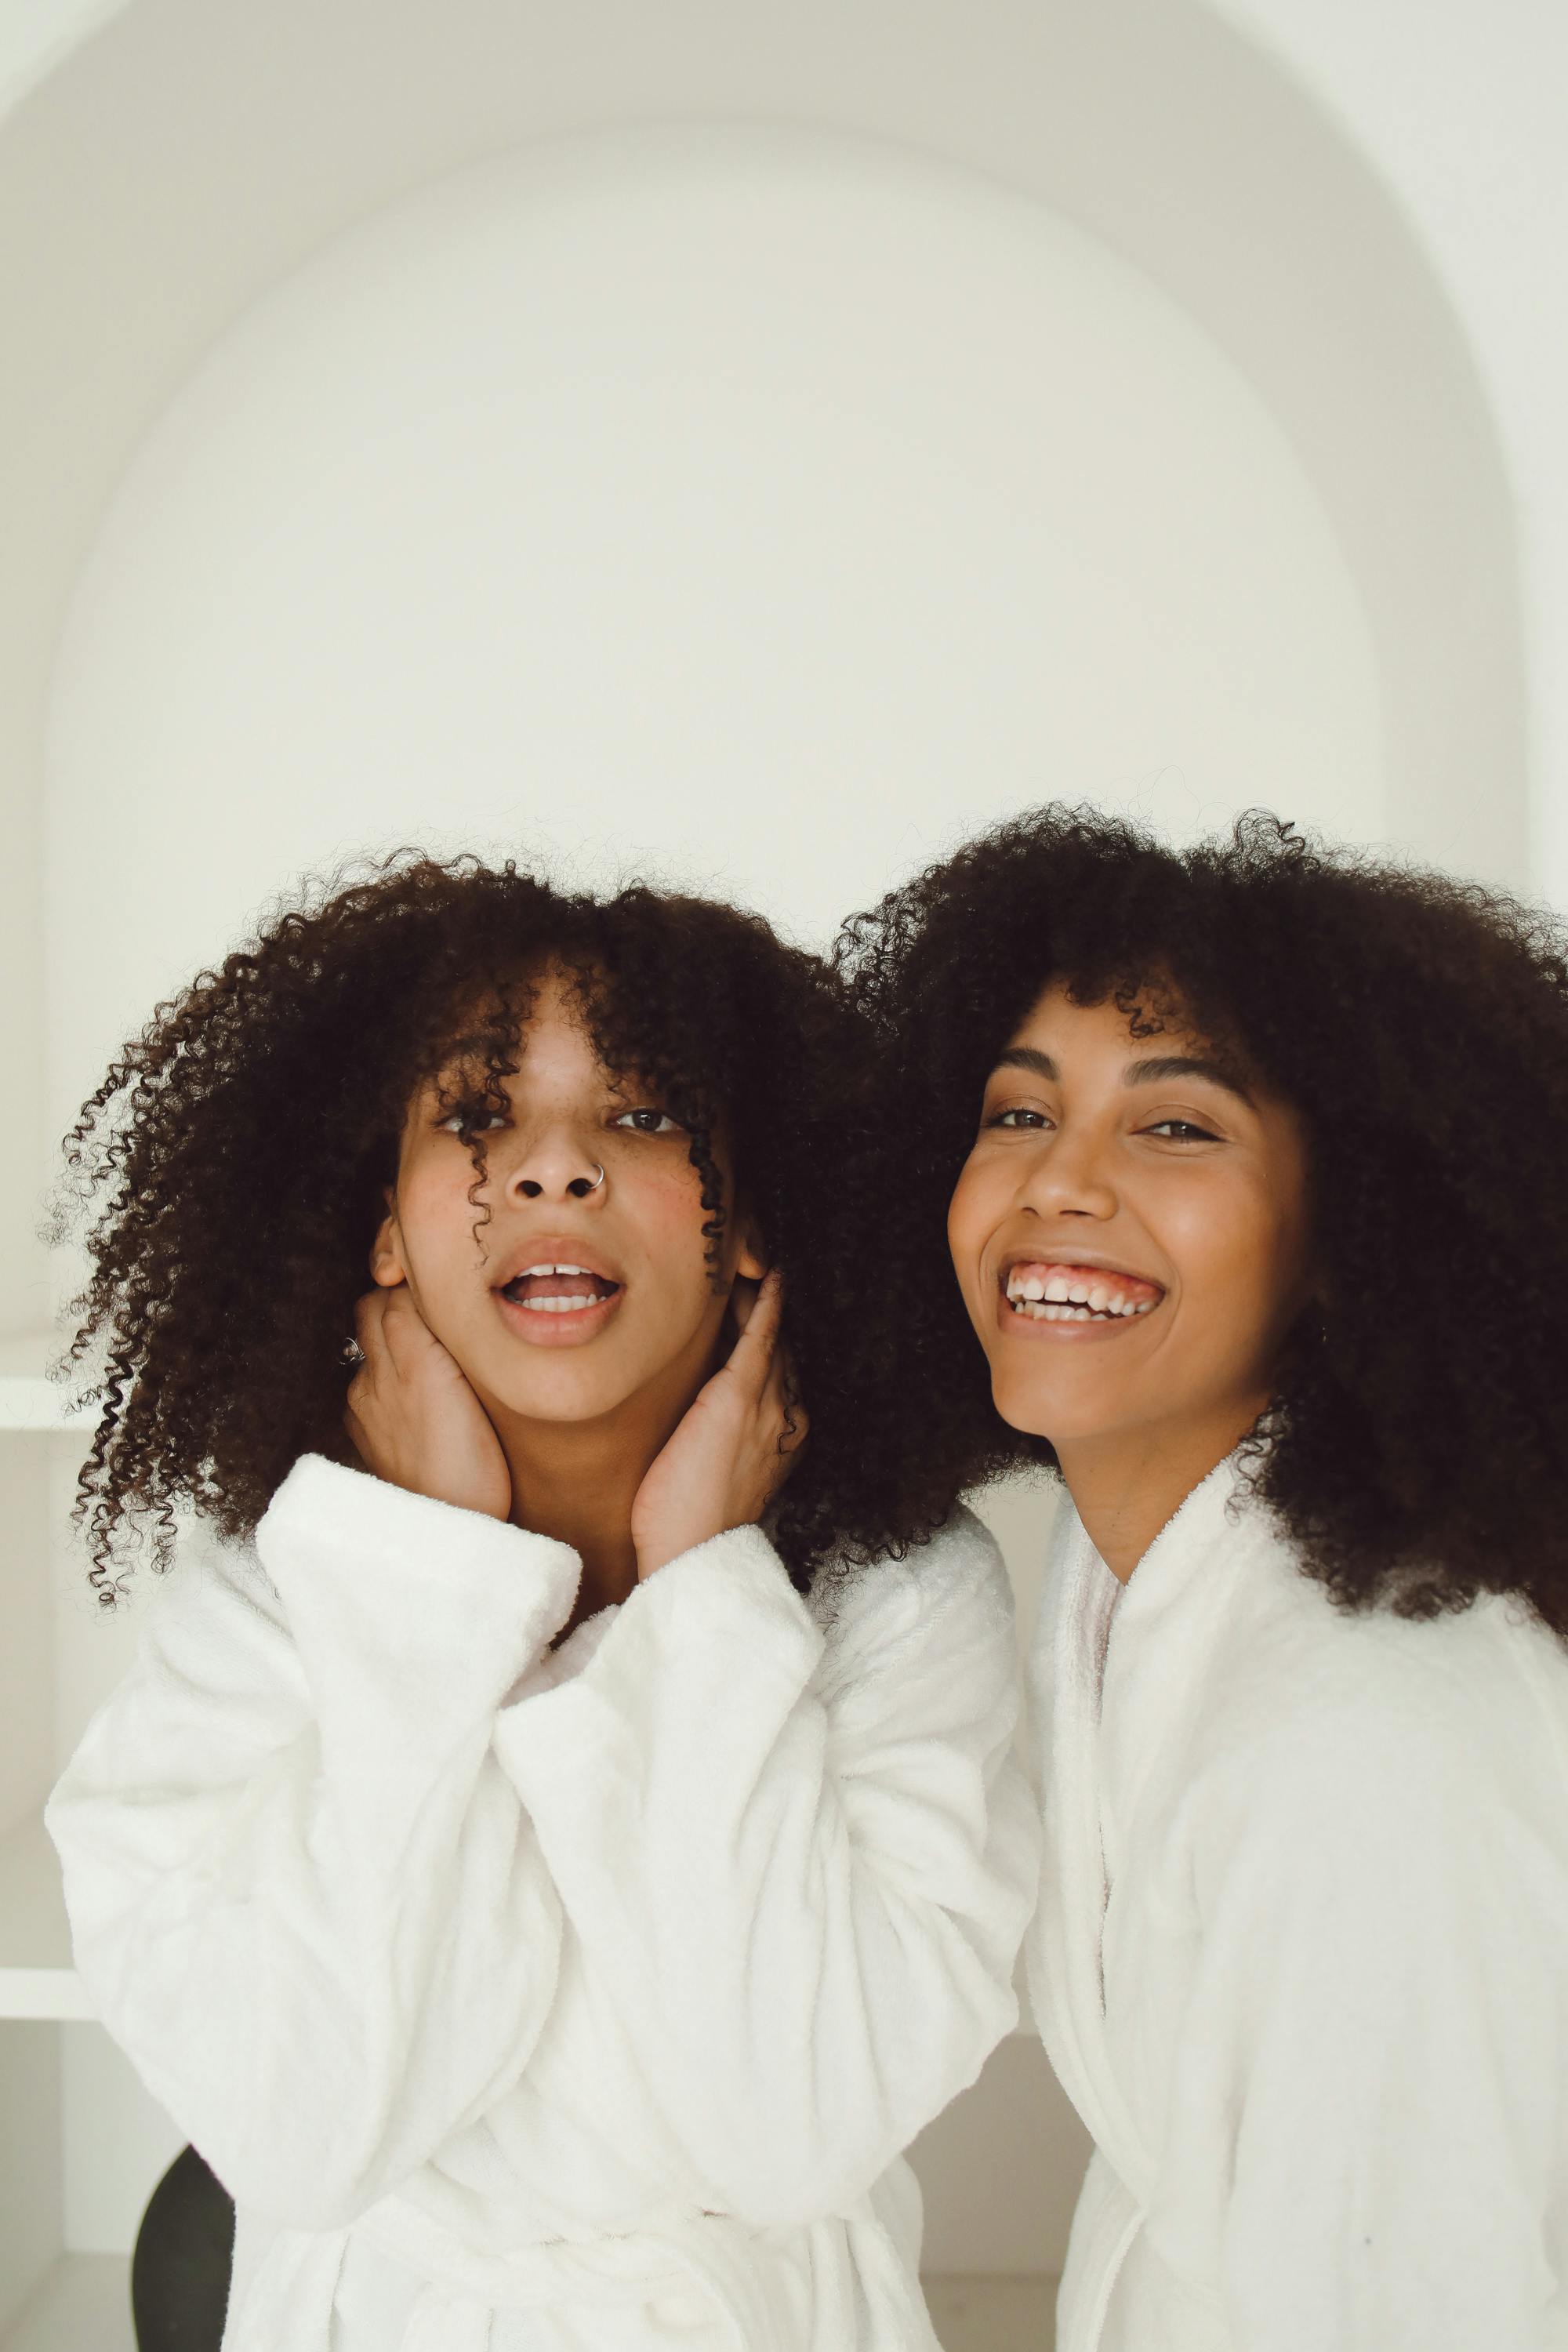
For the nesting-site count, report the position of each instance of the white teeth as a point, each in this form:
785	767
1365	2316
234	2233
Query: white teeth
548	1269
557	1306
1070	1312
1061	1300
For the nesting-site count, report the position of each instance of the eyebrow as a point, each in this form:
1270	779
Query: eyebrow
1152	1071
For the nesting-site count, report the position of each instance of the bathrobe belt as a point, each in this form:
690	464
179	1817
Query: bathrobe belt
290	2299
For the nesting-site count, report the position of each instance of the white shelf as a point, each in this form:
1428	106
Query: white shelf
83	2305
28	1398
36	1978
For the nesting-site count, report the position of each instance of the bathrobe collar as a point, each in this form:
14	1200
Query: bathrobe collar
1179	1595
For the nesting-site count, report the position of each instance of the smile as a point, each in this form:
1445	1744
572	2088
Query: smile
1053	1292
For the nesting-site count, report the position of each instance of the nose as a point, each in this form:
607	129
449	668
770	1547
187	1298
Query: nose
1070	1178
555	1166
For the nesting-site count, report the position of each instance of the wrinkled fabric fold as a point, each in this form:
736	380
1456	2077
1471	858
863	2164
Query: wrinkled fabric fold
742	2275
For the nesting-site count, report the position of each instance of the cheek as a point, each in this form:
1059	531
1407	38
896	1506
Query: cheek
1239	1267
434	1212
666	1213
970	1219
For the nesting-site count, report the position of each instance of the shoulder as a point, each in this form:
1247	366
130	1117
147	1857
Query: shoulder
1377	1727
947	1602
958	1568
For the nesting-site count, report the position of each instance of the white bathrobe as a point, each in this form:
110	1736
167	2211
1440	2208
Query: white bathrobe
1302	1955
556	2000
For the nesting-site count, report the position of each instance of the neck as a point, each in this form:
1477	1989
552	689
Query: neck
1127	1484
576	1481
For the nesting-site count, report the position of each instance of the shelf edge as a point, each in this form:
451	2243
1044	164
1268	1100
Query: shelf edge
54	1995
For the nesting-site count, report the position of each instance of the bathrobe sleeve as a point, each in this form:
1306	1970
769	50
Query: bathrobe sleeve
303	1895
795	1844
1375	2050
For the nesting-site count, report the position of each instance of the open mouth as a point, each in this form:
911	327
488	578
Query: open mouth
558	1289
1051	1291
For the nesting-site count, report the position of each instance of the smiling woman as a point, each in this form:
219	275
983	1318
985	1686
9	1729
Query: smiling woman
1251	1161
1130	1231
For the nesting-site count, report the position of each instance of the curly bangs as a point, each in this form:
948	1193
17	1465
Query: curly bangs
230	1172
1415	1450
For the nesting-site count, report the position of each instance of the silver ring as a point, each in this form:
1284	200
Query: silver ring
599	1178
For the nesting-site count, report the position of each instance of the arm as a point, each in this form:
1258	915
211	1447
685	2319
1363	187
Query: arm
302	1892
800	1861
1372	2061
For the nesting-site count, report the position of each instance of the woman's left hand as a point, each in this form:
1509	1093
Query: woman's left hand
733	1447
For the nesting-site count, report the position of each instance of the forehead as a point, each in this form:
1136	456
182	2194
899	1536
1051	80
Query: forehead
544	1014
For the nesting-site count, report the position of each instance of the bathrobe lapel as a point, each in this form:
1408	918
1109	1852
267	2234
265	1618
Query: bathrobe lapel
1066	1985
1167	1621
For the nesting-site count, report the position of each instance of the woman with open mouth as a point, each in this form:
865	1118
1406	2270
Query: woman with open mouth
1250	1165
565	1843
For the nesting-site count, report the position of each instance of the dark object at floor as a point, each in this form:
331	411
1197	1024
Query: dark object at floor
179	2272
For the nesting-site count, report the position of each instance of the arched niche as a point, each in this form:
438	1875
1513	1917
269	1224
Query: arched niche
191	153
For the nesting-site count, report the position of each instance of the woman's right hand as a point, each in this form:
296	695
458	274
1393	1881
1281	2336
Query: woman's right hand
413	1418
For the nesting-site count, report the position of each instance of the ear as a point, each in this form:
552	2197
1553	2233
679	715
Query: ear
388	1261
753	1260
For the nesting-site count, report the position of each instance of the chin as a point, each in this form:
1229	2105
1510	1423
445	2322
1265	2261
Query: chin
558	1400
1024	1406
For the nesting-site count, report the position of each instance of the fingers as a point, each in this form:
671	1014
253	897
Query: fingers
759	1317
367	1320
390	1329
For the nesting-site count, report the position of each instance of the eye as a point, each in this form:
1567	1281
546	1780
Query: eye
1183	1131
454	1125
1016	1117
647	1122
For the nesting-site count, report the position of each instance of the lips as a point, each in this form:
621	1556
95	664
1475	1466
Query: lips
554	1289
557	1253
1074	1290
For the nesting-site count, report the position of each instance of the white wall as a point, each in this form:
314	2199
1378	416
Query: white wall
192	152
1459	109
775	509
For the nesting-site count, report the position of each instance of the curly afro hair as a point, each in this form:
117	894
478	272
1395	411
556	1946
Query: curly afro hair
230	1172
1416	1448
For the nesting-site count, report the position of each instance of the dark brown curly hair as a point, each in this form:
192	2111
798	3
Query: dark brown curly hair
1416	1449
230	1169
